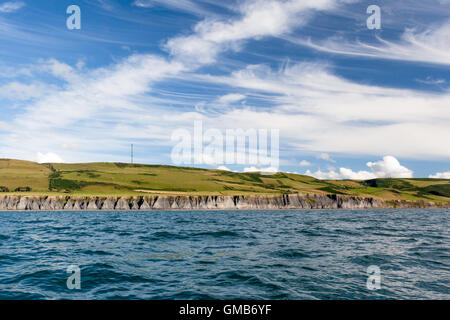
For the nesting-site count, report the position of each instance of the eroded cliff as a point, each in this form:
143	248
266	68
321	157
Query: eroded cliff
247	202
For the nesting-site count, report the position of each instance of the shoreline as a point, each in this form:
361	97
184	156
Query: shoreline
237	202
221	210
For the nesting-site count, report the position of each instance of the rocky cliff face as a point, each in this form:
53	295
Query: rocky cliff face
249	202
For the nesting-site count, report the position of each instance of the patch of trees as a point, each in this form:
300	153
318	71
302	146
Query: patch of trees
22	189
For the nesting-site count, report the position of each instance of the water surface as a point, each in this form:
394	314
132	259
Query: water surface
225	254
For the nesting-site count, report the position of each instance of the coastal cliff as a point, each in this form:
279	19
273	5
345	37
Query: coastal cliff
243	202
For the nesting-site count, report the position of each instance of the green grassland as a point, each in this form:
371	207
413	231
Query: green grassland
100	179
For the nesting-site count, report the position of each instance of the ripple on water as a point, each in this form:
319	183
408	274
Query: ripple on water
291	254
225	255
164	235
217	234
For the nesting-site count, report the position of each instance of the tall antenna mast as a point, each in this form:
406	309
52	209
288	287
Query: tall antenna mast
131	153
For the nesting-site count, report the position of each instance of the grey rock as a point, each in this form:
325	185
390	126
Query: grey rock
144	205
92	205
247	202
122	204
108	204
68	205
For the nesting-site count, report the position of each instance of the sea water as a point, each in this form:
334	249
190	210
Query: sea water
282	254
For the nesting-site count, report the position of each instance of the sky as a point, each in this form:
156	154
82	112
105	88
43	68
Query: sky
346	101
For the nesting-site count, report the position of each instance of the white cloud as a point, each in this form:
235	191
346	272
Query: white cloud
431	81
440	175
260	18
11	6
304	163
113	103
263	170
102	103
431	45
181	5
20	91
316	109
221	105
223	168
48	158
330	175
97	91
343	173
389	167
59	70
326	157
231	98
319	111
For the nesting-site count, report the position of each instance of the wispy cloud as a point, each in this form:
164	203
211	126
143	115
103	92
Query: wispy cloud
320	111
100	102
261	18
304	163
220	105
326	157
181	5
100	110
17	91
231	98
316	111
431	46
431	81
11	6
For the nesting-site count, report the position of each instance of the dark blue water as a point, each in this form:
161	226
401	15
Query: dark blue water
225	254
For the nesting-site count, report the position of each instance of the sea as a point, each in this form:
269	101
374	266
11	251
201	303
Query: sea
280	254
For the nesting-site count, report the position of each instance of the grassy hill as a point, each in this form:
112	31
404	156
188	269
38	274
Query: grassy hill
18	176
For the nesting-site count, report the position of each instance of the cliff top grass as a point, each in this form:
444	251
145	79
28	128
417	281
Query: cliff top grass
120	179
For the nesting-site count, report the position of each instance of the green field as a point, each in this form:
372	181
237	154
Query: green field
99	179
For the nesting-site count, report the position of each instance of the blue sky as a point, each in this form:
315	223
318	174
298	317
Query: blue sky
348	102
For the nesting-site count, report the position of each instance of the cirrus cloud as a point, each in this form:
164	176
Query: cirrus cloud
430	45
259	18
11	6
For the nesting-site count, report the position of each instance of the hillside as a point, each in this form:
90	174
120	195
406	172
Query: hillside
99	179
